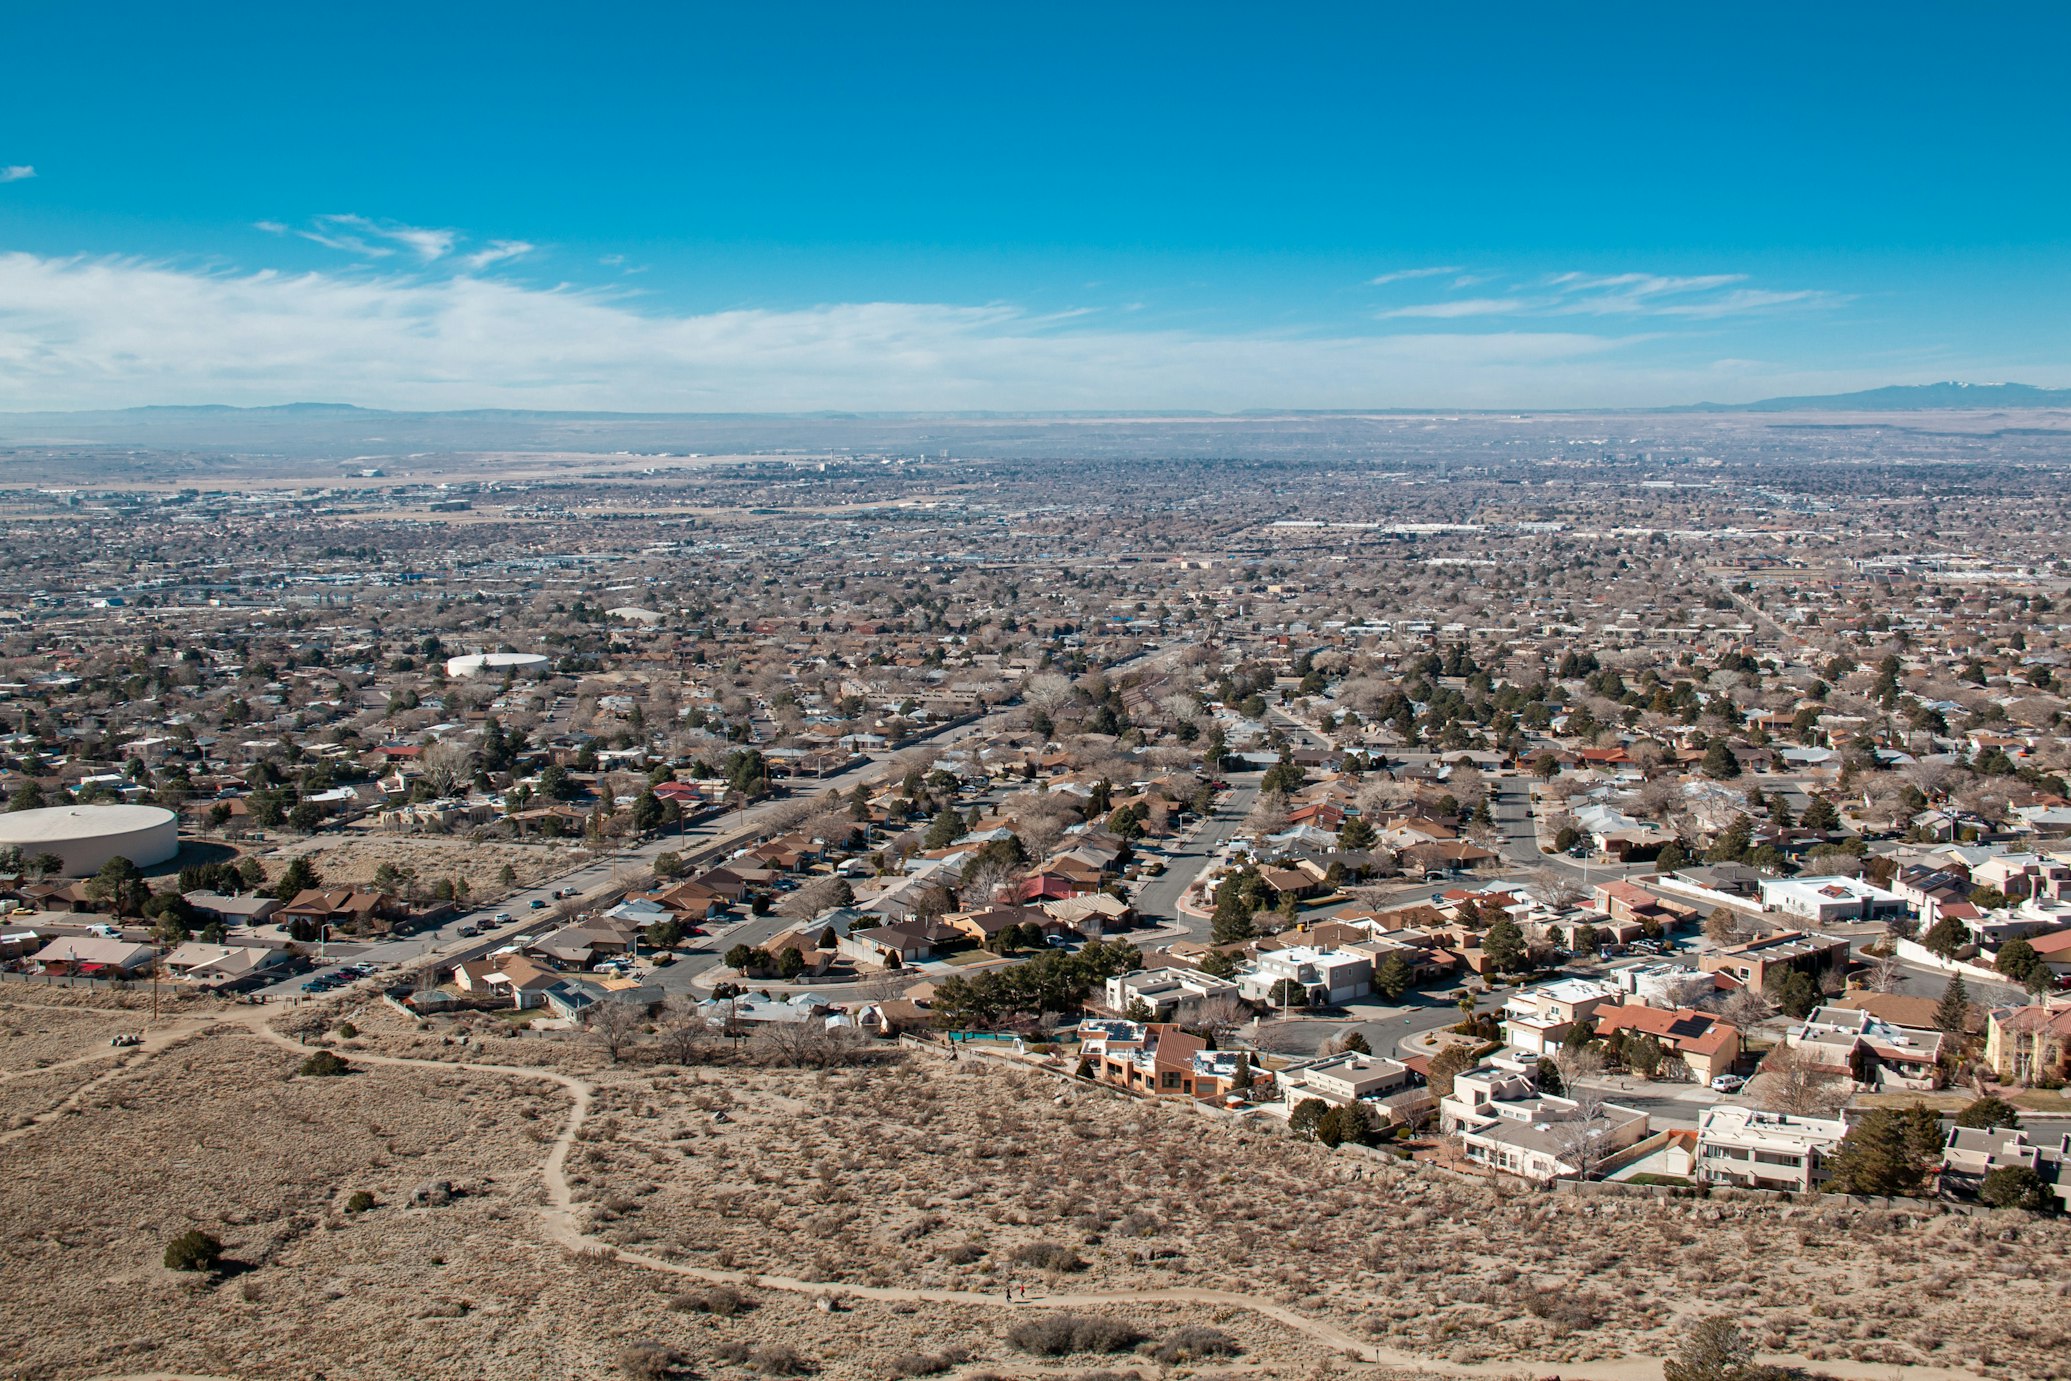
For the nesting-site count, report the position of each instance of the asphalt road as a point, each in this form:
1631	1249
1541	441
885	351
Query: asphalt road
1158	899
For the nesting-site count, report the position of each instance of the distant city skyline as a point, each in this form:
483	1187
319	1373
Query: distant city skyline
934	208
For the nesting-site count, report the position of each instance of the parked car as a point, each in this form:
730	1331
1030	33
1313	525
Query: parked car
1728	1083
125	1040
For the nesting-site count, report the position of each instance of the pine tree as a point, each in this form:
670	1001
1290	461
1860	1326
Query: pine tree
1505	947
1953	1015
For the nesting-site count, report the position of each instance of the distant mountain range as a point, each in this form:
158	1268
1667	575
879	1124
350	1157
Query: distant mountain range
1904	398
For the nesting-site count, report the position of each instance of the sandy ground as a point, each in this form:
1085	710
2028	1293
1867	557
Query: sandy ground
353	858
872	1219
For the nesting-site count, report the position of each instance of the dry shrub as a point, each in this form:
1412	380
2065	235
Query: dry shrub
644	1361
910	1364
1047	1256
781	1359
1060	1335
1193	1342
722	1300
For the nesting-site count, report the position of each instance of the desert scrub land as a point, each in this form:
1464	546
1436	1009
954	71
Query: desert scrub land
39	1028
971	1175
352	857
733	1220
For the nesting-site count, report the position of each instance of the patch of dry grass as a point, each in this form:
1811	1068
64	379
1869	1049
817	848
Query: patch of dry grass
907	1175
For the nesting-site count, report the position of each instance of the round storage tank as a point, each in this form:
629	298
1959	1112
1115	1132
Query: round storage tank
85	837
496	664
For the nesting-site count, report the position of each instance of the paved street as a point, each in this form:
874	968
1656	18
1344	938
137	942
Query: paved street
1158	899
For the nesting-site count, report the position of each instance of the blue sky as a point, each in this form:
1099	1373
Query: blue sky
782	207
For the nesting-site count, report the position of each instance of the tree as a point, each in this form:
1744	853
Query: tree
1446	1065
614	1026
1952	1014
1799	1087
1989	1112
1792	990
2015	1186
1721	927
667	864
1356	833
120	885
1504	945
1220	963
1348	1122
1672	857
648	812
665	934
1288	993
1719	761
2017	960
193	1250
1644	1055
1306	1117
1547	1075
324	1064
1887	1152
1946	936
946	828
1393	978
298	877
27	796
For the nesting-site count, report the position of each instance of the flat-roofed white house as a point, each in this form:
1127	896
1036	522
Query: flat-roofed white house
1753	1149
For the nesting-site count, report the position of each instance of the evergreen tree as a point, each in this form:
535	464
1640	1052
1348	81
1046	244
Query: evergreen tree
1953	1014
1504	945
1887	1152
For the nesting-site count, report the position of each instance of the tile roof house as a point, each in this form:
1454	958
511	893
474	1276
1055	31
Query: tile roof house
1709	1047
1152	1058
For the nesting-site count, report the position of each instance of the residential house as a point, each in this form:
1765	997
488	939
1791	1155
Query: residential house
223	964
1328	976
1091	915
346	909
1831	900
1163	991
1706	1046
903	942
1752	1149
2029	1044
1624	901
1971	1153
1875	1053
1505	1123
1537	1020
240	909
1757	961
1388	1086
93	956
1155	1058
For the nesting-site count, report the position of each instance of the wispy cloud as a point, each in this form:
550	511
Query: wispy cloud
1461	307
1405	275
1695	296
91	332
371	239
497	252
17	172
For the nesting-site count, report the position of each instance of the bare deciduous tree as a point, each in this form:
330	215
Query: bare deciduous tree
614	1026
